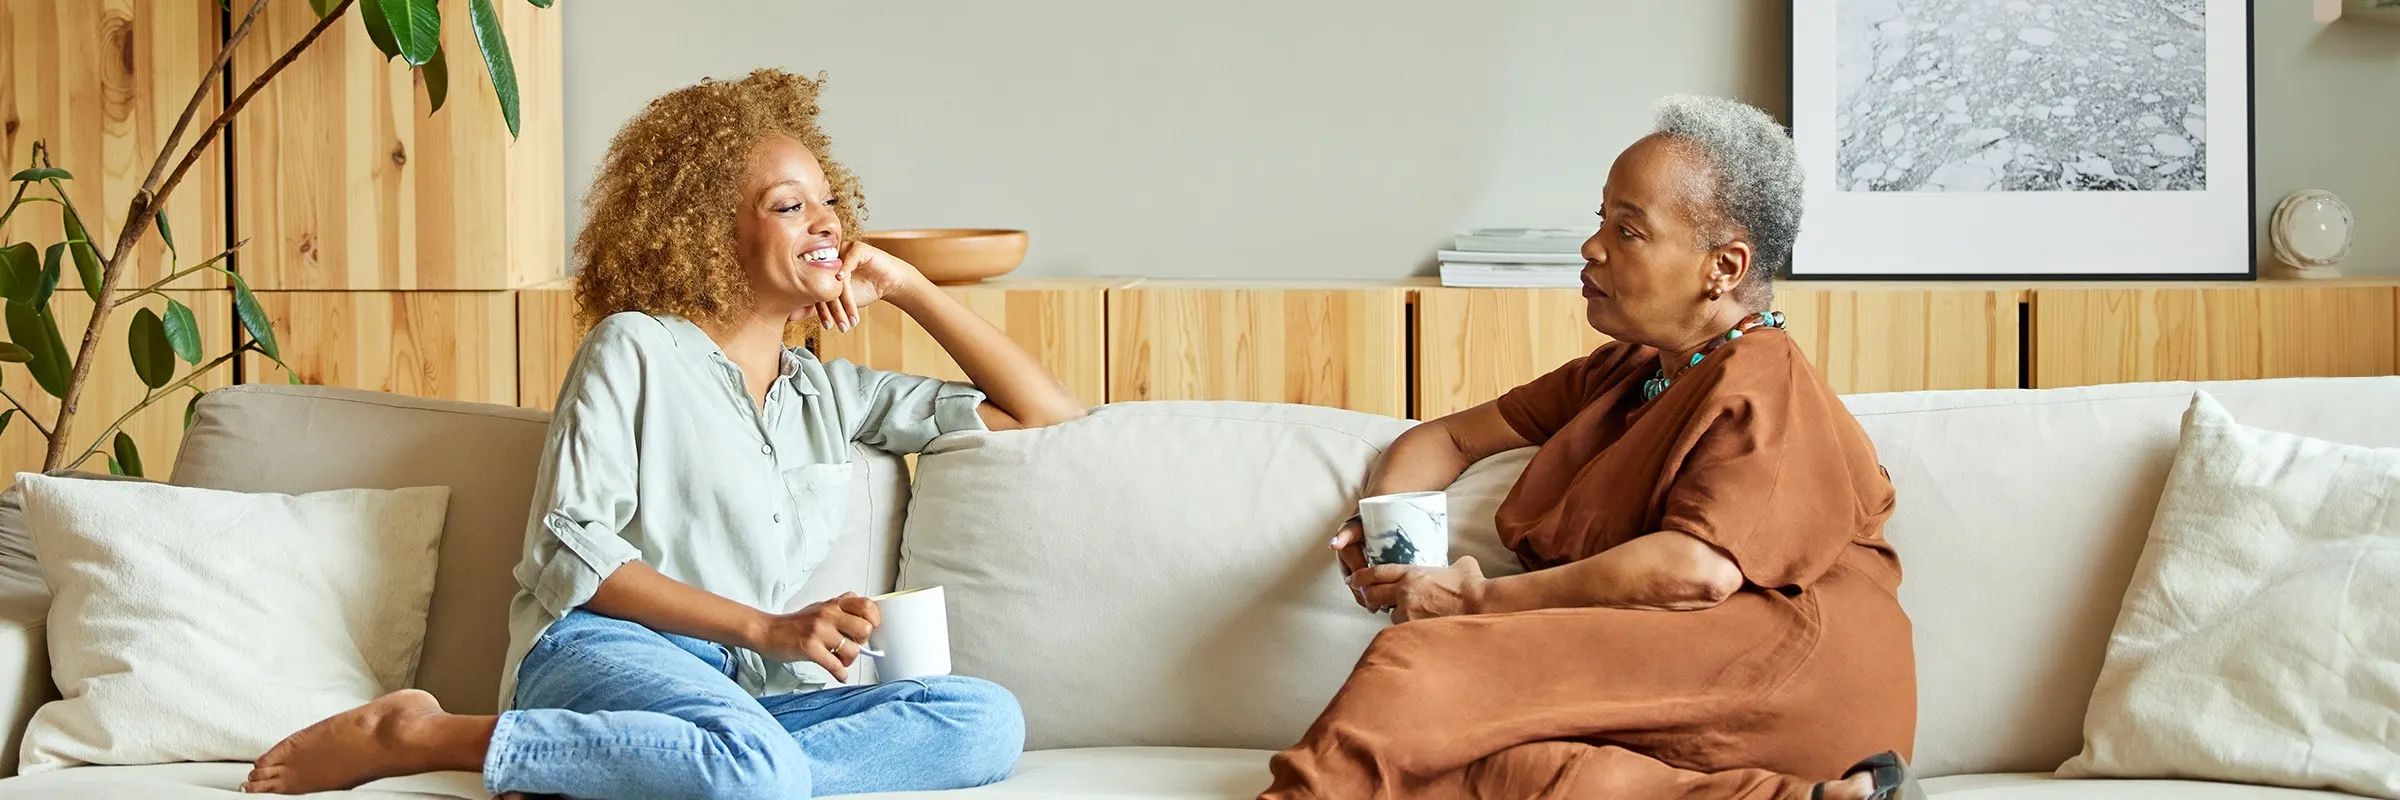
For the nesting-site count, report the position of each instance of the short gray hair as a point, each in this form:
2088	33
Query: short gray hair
1755	181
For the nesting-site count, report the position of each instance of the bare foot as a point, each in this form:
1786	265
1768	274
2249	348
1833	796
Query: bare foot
402	733
1855	787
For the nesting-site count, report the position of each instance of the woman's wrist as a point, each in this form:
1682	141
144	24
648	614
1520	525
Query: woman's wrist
911	294
1476	596
751	630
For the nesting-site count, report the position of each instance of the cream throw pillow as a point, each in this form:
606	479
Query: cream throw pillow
2258	643
200	625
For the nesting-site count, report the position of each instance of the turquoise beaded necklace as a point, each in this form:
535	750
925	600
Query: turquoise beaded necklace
1658	383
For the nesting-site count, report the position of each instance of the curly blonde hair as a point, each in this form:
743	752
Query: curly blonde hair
658	235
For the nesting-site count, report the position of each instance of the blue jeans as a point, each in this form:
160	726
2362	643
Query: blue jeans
608	708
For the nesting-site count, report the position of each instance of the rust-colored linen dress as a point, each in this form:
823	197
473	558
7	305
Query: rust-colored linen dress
1803	672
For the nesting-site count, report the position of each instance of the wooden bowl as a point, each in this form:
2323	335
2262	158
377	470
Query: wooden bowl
954	256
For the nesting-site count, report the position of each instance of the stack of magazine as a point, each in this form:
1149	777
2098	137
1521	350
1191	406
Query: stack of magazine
1536	258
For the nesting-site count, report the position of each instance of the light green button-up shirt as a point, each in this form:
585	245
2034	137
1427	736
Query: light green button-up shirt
657	453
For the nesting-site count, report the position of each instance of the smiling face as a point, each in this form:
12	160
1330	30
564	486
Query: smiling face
1647	272
788	236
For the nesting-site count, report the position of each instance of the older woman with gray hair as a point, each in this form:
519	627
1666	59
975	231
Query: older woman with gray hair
1708	607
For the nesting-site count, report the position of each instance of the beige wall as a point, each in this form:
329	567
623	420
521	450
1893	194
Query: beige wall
2328	117
1320	138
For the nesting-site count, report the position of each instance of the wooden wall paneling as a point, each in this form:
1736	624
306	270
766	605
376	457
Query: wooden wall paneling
347	182
114	389
1895	339
443	345
1333	345
102	82
1062	322
547	335
2085	336
1473	345
2331	331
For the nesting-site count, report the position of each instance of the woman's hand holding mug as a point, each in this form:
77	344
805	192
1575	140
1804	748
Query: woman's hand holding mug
828	633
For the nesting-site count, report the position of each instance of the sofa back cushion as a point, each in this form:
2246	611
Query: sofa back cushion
295	439
2021	514
1154	574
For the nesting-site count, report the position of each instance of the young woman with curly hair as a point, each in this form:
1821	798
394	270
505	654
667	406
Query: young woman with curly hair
696	473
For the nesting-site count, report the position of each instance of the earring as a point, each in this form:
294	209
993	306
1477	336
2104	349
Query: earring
1715	293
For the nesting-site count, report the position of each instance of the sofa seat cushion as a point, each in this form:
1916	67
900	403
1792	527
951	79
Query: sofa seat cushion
2041	786
215	780
1120	773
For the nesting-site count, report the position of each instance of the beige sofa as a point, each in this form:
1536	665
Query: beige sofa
1152	580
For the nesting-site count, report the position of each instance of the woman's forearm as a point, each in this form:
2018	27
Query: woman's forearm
637	593
1663	571
1010	378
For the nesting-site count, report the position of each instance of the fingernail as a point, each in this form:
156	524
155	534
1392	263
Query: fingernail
1335	542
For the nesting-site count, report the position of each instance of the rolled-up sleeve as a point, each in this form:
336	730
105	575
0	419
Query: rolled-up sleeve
897	412
586	492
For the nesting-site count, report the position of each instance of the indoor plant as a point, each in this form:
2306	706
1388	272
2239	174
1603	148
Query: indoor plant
160	336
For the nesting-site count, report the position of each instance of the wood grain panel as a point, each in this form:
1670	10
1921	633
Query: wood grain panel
102	82
1063	323
443	345
1318	345
114	389
347	182
2085	336
547	335
1476	344
1897	340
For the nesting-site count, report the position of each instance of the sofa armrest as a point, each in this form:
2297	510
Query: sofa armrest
24	661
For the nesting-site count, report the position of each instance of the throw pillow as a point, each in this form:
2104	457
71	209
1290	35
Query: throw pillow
2256	642
201	625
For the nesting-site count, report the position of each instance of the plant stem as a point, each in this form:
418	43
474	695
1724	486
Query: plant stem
161	286
137	222
27	413
240	101
13	202
152	397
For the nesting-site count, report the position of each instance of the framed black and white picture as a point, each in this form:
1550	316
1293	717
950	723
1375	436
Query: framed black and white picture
2050	139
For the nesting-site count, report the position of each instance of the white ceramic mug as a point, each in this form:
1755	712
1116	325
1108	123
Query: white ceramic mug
1411	528
914	639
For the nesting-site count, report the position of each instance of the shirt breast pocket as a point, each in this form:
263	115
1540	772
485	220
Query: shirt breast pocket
821	499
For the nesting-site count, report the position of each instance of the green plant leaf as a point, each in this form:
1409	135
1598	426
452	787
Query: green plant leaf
437	79
379	29
153	356
40	174
166	234
495	58
5	416
113	467
20	271
416	26
14	353
323	7
48	281
191	408
129	457
183	331
254	319
542	3
87	260
32	328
